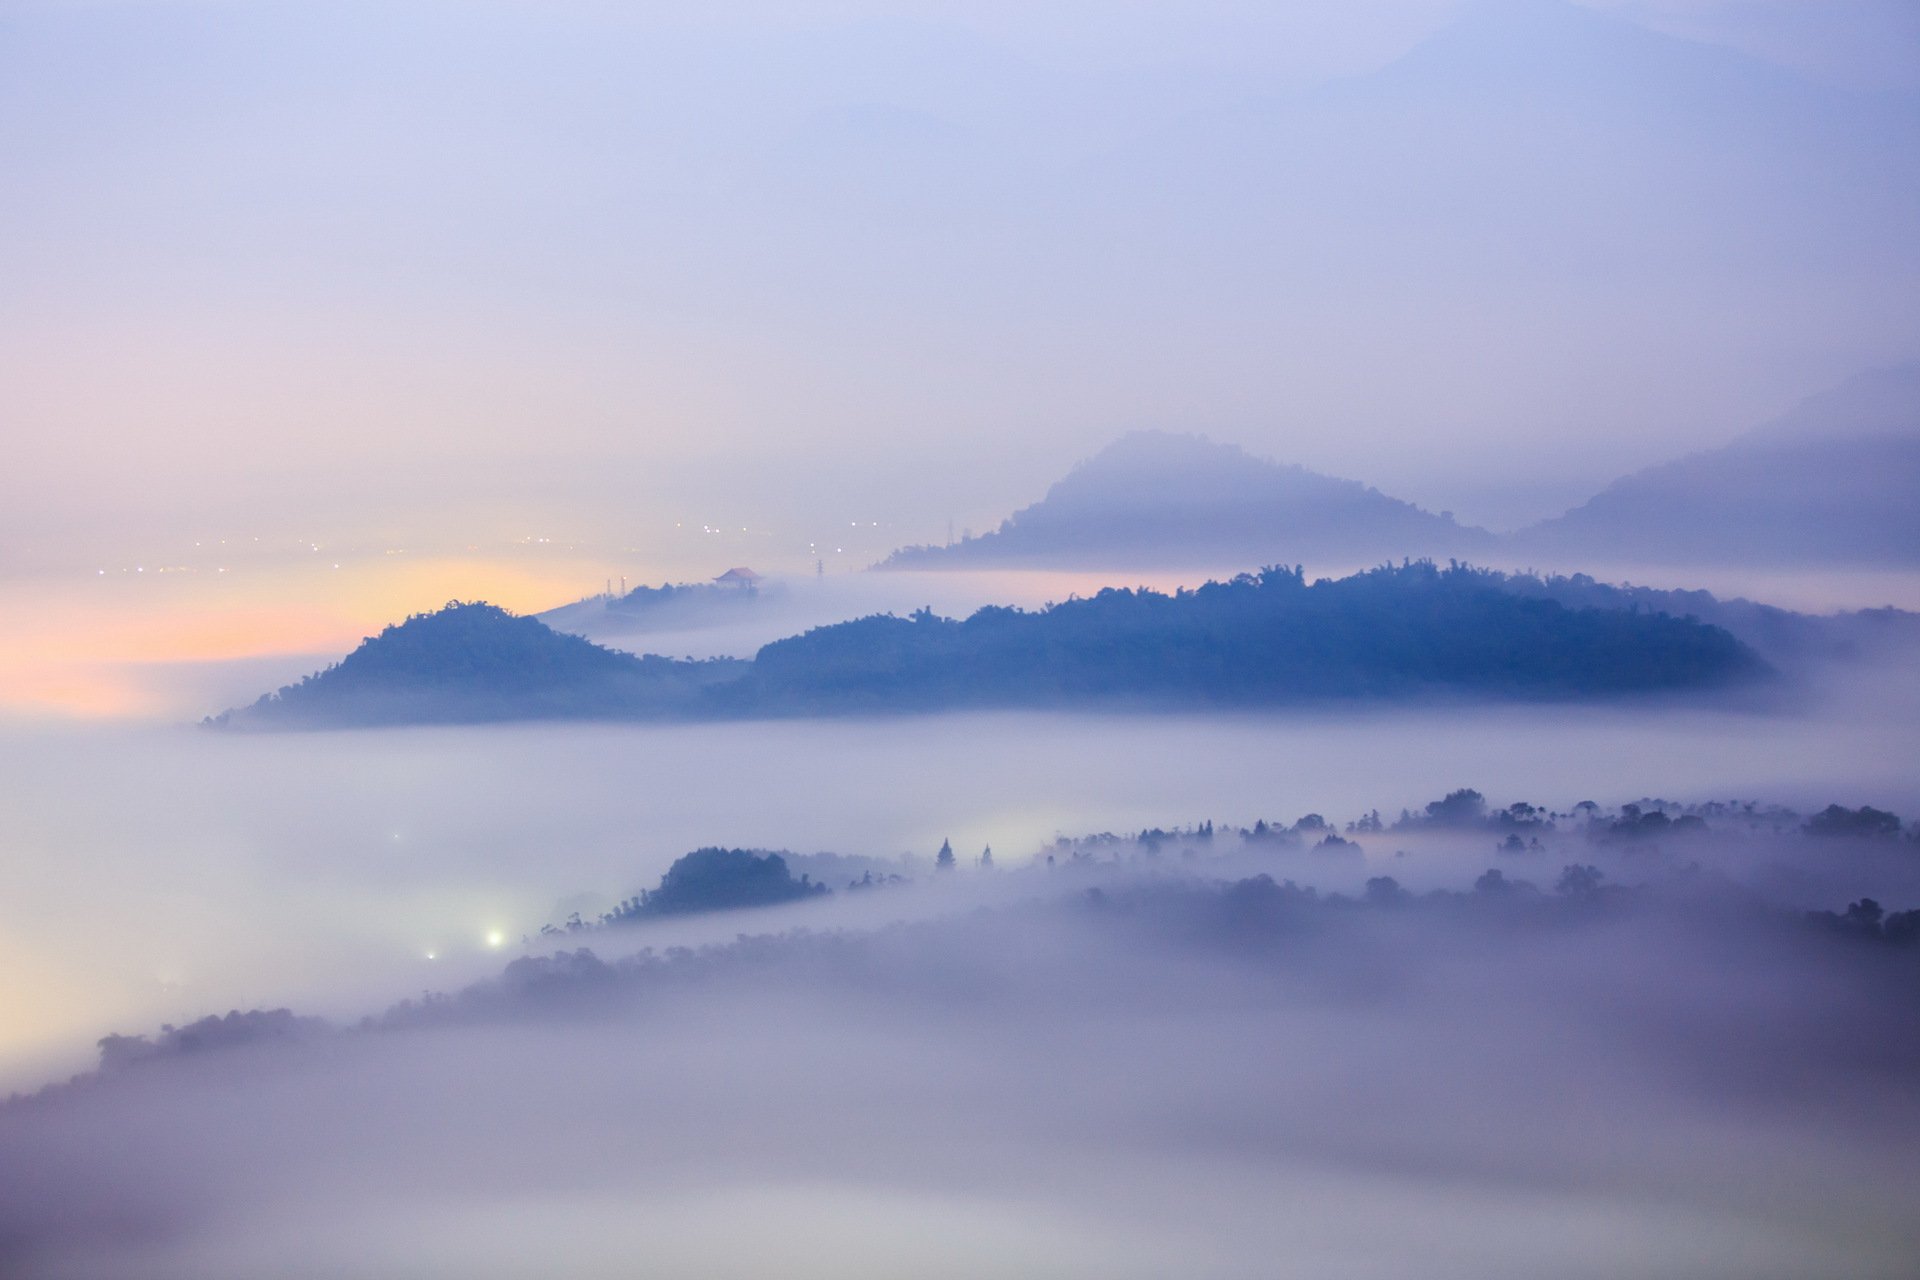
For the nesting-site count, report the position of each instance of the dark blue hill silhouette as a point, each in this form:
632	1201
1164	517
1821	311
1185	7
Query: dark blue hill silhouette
715	879
1258	640
1778	634
473	662
1154	499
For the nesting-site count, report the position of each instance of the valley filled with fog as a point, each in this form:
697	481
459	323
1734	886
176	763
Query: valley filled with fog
1234	983
1220	961
941	638
1598	1045
160	871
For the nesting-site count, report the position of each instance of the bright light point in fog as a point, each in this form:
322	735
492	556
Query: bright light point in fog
496	938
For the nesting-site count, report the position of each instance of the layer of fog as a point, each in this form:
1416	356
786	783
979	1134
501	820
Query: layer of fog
158	874
1167	1078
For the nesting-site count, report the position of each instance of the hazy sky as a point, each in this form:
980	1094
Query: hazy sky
446	273
316	314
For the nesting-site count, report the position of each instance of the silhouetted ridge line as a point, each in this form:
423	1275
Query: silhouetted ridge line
1261	639
1830	482
472	661
1158	499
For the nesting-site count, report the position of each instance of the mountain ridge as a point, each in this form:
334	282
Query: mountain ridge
1258	640
1158	498
1830	481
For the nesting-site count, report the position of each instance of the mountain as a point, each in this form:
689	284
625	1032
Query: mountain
472	662
1779	635
1159	500
1548	141
670	606
1831	482
1256	641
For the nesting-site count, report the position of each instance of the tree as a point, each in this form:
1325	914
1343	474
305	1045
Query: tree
715	879
1579	880
1461	808
1866	821
986	858
943	861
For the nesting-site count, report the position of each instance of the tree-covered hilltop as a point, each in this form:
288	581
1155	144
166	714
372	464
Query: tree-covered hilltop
472	661
1779	634
716	879
1259	639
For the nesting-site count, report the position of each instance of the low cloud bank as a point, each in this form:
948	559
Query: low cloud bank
1138	1071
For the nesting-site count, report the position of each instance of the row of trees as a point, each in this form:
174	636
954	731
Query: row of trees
1258	639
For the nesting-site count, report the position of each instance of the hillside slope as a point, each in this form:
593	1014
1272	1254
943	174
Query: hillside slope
1158	500
1832	482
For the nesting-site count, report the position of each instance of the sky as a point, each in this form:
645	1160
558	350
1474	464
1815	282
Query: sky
579	291
437	268
314	315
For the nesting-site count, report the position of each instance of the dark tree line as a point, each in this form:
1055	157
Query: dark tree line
1258	640
1263	638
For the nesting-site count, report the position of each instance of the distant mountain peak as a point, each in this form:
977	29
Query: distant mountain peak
1161	498
1831	481
1873	403
1171	455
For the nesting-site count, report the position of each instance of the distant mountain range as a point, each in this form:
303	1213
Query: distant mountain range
1256	641
1833	482
1158	500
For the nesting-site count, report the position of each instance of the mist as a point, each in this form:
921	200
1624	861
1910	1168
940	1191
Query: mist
160	872
320	318
1084	1071
1322	1031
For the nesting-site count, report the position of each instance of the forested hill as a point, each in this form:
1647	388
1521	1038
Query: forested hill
1258	640
471	662
1778	634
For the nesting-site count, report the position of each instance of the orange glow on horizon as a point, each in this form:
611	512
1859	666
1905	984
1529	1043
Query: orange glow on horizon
100	649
